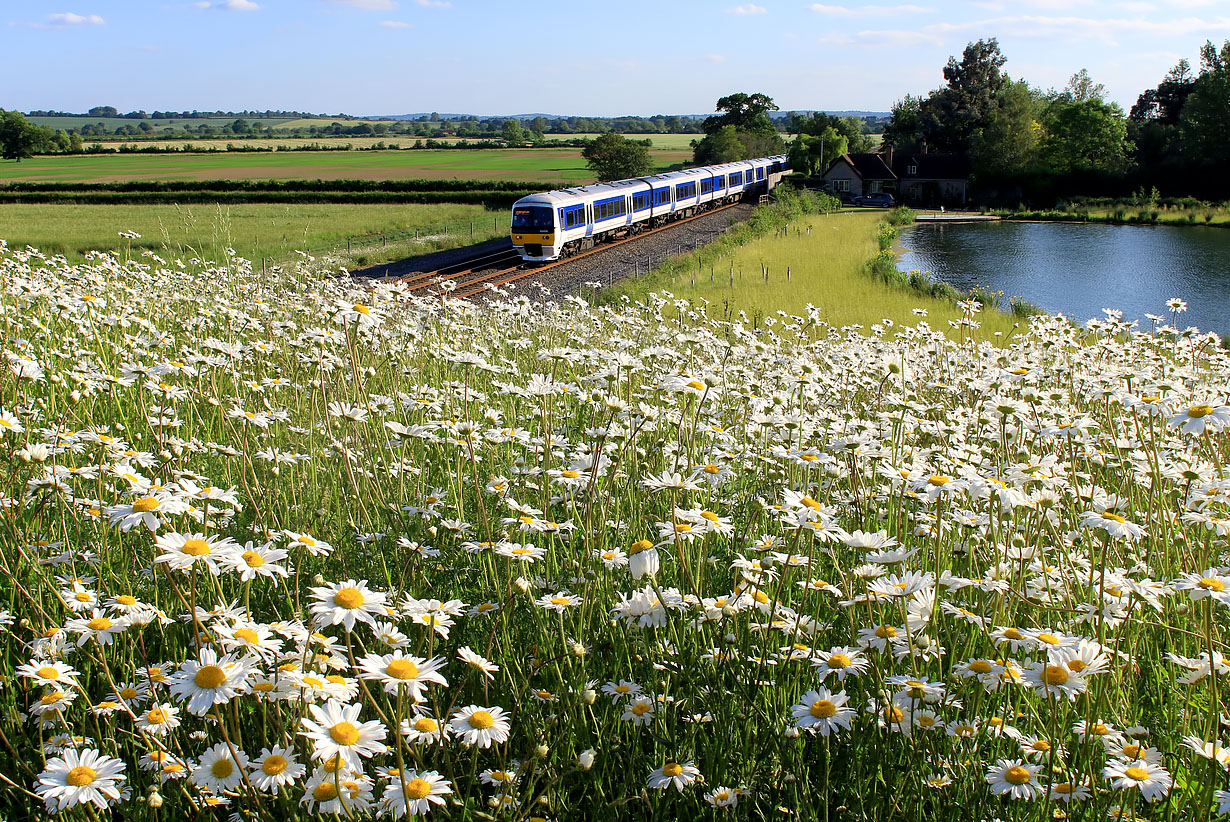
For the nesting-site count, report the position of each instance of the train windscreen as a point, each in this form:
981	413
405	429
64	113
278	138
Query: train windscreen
533	218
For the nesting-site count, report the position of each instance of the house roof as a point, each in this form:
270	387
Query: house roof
867	166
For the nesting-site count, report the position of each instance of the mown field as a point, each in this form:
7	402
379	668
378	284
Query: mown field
552	166
255	231
826	256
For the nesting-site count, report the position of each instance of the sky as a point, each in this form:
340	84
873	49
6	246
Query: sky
499	57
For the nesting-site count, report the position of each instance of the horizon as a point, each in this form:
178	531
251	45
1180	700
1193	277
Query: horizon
477	55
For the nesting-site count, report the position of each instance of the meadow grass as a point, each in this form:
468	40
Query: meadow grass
551	166
273	231
280	549
827	259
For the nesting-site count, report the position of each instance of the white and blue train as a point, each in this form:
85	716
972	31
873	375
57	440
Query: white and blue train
556	224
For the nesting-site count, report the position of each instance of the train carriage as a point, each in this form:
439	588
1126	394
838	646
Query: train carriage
559	223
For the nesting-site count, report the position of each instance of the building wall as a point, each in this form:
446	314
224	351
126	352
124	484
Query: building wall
842	171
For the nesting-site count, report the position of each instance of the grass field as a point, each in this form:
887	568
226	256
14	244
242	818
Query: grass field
562	166
168	124
255	231
826	257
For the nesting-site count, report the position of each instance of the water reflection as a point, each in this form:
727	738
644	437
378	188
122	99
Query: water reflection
1079	268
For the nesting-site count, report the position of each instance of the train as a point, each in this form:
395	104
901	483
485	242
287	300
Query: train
557	224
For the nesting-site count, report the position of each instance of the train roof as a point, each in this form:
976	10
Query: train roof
598	189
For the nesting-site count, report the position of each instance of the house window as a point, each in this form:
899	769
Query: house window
911	170
841	185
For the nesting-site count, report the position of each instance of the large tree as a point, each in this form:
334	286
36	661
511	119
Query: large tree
811	153
1205	119
952	115
742	130
746	112
1085	136
1008	144
612	156
19	138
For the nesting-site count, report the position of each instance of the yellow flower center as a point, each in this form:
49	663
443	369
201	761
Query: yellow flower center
196	548
47	672
939	479
1077	665
808	502
712	469
808	457
247	635
209	677
640	545
1013	633
253	559
426	725
222	768
82	596
568	473
1112	517
131	693
156	716
709	515
1062	787
1055	675
145	505
81	776
1098	729
99	624
308	541
401	669
1211	584
700	386
894	714
672	769
417	788
1016	775
683	527
343	733
481	720
274	765
1049	639
1131	751
124	599
823	709
362	309
1041	745
1198	411
560	600
348	598
980	666
839	661
325	792
886	632
1138	774
641	708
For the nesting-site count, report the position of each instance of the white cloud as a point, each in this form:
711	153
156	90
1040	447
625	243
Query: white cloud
393	24
436	4
367	5
716	58
67	18
867	11
748	8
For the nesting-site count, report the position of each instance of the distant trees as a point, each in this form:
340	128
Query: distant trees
740	130
612	156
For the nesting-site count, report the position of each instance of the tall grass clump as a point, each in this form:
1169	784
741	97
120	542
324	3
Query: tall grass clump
280	548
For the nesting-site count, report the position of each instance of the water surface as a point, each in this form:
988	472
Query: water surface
1078	269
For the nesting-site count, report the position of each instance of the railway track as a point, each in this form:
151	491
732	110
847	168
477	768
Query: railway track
477	275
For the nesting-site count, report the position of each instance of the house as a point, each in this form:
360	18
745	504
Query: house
916	178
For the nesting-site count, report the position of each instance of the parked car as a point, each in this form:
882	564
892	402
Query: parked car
879	199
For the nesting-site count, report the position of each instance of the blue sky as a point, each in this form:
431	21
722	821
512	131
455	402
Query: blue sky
575	57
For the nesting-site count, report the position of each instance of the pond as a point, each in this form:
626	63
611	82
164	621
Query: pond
1078	269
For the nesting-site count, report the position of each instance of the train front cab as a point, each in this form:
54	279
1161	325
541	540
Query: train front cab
534	231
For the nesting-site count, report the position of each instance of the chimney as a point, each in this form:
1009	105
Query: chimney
888	156
924	146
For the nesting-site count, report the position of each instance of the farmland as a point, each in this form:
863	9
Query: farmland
550	166
255	231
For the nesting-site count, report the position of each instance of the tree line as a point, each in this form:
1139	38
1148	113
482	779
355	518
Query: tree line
1025	143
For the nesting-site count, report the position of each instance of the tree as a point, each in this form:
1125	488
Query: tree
1081	87
538	127
104	111
1088	136
1008	145
1205	119
818	122
19	138
810	154
612	156
512	132
902	131
746	112
722	146
950	117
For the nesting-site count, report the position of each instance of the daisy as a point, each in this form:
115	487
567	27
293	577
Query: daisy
672	774
80	777
1068	791
1055	678
1014	777
275	768
421	728
397	670
337	792
525	553
621	689
1199	418
159	720
99	626
185	552
722	797
558	602
413	793
480	726
48	673
639	711
1153	780
334	732
315	547
484	666
643	559
251	561
209	681
1211	583
218	771
345	603
822	711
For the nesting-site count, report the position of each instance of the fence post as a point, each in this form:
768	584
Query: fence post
347	245
471	229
